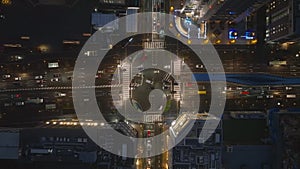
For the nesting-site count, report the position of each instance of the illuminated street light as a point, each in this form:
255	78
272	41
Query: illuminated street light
171	8
232	41
137	162
253	42
6	2
43	48
218	41
205	41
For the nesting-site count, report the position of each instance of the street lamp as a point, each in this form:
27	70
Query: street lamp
6	2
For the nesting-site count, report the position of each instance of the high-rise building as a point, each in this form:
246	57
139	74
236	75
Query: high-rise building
195	152
283	21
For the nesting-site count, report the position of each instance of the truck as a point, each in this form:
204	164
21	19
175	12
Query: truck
202	92
50	106
40	151
35	100
278	63
290	96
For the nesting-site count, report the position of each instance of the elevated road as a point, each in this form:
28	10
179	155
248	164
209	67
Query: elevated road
58	88
254	79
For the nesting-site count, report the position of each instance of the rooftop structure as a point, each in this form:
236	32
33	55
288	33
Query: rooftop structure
9	144
191	152
284	130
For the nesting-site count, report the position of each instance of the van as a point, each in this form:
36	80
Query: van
149	81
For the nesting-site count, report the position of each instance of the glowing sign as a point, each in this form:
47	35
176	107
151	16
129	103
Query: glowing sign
232	34
53	65
6	2
249	35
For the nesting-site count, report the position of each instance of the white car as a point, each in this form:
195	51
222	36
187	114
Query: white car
38	77
6	76
149	81
167	67
199	66
18	78
54	79
20	103
59	94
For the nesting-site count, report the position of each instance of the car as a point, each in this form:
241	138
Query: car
42	85
15	96
54	79
40	81
20	103
288	88
38	77
17	84
229	149
149	81
199	66
149	161
60	94
18	78
260	97
2	16
167	67
7	76
125	45
149	146
7	104
56	75
107	29
165	87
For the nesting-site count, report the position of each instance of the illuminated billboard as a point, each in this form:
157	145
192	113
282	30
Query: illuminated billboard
53	65
232	34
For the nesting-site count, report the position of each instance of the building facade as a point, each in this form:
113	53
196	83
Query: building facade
283	21
192	153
